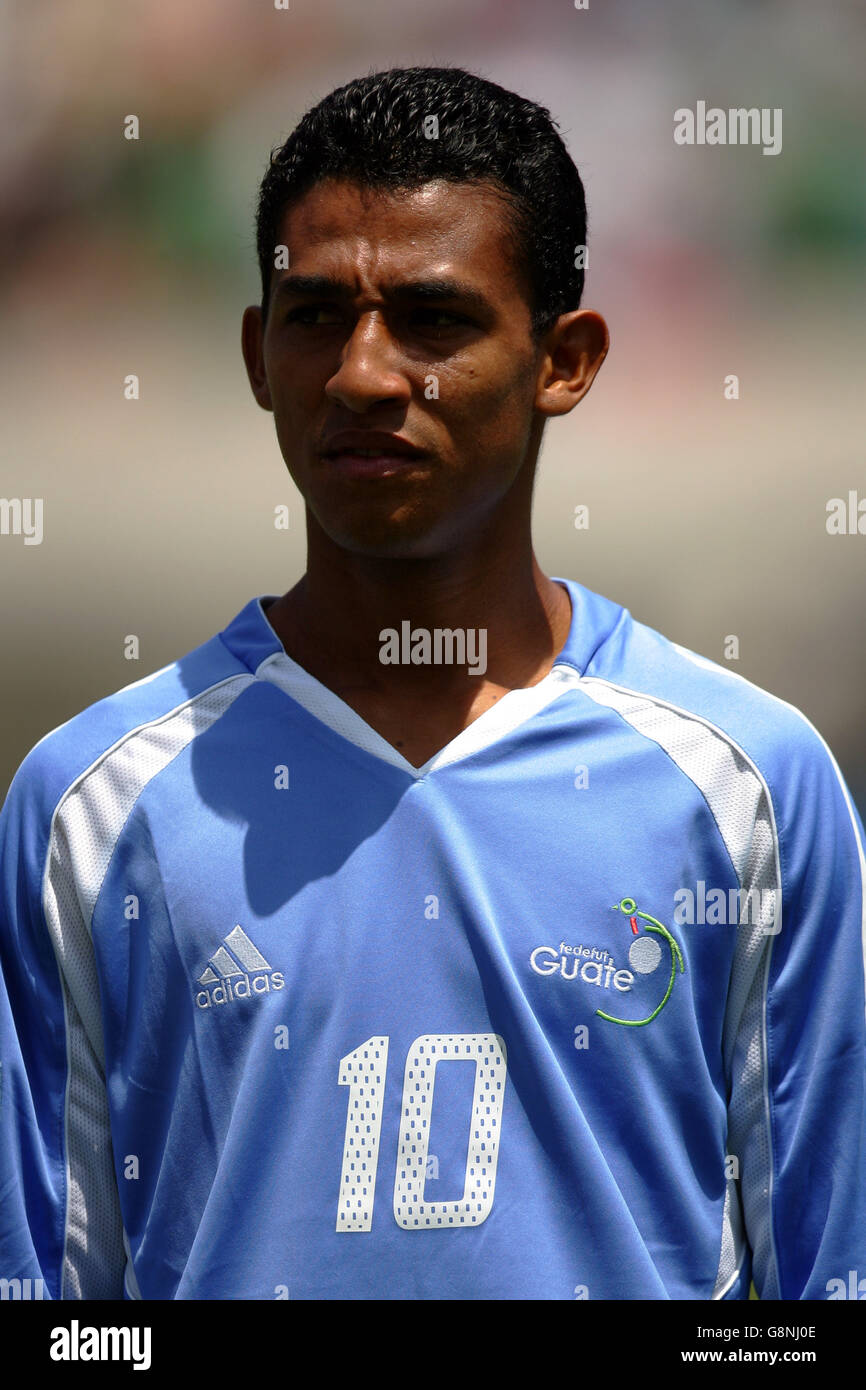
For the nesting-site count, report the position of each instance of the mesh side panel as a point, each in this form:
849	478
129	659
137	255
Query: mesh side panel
748	1117
733	1240
739	801
728	1256
84	833
94	1257
745	1050
71	939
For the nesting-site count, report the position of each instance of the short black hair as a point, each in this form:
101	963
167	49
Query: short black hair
372	132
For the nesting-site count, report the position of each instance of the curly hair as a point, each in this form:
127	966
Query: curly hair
372	132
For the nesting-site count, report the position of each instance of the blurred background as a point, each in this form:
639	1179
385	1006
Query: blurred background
707	515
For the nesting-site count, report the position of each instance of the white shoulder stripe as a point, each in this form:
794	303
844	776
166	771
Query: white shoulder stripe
739	800
84	831
858	840
733	786
90	815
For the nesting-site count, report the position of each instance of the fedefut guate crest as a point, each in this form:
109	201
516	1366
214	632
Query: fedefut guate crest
645	956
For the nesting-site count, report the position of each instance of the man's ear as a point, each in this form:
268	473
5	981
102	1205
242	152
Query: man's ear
572	352
252	339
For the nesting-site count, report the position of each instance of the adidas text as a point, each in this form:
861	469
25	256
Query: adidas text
240	988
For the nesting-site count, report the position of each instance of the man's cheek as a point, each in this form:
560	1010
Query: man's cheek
468	393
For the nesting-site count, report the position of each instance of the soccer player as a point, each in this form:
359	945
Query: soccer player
435	930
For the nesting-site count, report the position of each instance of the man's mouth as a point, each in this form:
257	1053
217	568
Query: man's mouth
371	463
370	453
376	443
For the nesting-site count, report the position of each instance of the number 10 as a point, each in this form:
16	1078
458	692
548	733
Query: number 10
363	1071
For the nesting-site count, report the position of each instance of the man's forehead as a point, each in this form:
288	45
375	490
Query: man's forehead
452	221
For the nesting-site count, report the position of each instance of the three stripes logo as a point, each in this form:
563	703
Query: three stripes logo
237	970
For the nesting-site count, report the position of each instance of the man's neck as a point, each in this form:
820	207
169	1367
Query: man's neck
511	619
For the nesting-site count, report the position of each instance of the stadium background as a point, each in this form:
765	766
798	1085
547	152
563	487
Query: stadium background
707	516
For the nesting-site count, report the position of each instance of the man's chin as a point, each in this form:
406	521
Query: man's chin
389	547
393	537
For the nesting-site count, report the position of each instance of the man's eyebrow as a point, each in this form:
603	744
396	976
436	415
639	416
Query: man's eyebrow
432	291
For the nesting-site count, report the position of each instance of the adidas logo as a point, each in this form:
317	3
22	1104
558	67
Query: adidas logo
233	981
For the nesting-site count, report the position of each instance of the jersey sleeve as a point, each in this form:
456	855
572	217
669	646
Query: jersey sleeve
61	1234
796	1035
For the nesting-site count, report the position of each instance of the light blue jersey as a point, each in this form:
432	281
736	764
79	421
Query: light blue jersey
575	1010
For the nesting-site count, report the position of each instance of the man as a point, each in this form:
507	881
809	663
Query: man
436	930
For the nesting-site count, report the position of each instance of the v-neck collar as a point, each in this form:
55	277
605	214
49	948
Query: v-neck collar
511	709
265	655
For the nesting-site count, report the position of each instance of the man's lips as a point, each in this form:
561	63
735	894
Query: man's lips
366	441
370	453
379	465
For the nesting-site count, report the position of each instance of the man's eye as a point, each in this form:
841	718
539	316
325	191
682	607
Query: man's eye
314	314
437	318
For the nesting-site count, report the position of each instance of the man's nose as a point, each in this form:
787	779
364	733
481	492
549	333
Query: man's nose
370	368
